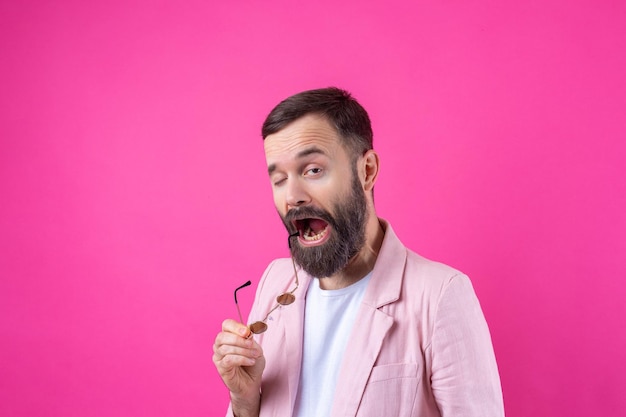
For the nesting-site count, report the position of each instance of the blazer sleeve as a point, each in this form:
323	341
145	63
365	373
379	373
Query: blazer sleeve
255	312
465	380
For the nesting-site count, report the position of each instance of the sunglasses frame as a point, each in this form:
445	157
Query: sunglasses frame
283	299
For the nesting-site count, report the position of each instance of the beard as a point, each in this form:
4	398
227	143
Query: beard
347	234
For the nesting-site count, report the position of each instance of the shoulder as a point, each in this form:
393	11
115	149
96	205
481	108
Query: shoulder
278	277
418	283
281	267
417	273
429	273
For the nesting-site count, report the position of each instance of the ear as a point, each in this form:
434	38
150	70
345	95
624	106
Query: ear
371	164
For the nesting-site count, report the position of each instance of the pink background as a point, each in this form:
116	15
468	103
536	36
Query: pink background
134	196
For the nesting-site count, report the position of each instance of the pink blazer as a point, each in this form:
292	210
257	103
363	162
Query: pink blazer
420	344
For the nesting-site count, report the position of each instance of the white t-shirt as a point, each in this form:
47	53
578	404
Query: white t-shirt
328	320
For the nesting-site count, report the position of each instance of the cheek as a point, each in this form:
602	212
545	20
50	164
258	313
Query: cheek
337	190
279	202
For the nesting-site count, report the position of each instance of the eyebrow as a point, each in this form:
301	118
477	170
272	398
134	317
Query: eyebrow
303	153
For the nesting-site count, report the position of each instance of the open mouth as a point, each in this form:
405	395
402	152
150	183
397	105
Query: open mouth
312	230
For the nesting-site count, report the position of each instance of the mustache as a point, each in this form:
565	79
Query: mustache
305	213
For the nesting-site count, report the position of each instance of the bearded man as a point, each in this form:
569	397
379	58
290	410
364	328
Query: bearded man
354	324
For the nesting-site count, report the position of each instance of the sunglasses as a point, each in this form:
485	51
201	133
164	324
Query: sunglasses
283	299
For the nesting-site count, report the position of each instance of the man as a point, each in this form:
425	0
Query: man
374	329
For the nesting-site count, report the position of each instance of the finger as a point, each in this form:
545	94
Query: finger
235	327
231	339
228	357
227	343
226	361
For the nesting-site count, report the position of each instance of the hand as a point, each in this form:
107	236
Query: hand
240	362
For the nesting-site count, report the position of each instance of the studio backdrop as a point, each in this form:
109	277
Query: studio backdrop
134	196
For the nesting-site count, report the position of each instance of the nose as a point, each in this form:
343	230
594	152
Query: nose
297	194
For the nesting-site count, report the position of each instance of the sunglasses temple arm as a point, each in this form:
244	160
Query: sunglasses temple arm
239	312
236	303
270	312
290	236
295	272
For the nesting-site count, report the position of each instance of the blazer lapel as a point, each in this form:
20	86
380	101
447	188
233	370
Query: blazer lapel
371	325
359	359
293	318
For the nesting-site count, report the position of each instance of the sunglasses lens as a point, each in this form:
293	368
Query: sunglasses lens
258	327
285	299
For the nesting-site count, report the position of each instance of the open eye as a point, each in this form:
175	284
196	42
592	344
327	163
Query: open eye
313	171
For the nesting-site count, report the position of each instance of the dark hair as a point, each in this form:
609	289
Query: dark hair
339	107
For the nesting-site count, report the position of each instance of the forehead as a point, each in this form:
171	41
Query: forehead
307	132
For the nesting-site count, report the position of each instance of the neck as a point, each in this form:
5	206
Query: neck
362	263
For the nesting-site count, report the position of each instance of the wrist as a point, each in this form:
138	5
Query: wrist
248	406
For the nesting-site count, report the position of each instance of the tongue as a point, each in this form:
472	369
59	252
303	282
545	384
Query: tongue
317	225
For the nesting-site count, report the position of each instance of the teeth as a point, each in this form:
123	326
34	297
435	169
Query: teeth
313	237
